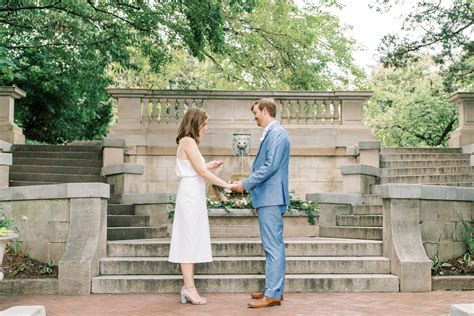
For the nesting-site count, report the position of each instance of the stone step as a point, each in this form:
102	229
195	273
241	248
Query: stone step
367	209
425	163
13	183
454	184
116	199
126	233
389	172
253	221
58	154
245	247
240	231
128	220
57	162
60	148
61	178
371	233
371	199
55	169
246	283
422	156
428	178
360	220
398	150
120	209
246	265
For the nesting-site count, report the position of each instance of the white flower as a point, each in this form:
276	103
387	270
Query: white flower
228	191
24	218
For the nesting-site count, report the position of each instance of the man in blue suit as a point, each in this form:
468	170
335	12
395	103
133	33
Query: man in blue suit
268	186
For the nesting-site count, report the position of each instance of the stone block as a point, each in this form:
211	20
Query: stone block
329	213
436	231
56	251
24	311
451	249
461	310
445	210
369	157
358	183
431	249
124	168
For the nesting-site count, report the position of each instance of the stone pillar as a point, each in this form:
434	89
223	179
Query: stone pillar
125	178
464	134
5	163
9	131
369	153
112	152
358	178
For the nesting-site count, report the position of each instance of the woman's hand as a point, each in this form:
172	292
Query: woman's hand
214	164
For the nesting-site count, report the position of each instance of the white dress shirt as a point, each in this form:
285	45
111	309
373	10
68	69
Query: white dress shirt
266	129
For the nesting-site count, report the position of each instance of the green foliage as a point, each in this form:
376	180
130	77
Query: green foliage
7	225
48	268
228	200
469	238
58	51
437	266
278	45
444	31
409	107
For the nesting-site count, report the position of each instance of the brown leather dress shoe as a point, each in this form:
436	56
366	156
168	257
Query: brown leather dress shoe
259	296
265	302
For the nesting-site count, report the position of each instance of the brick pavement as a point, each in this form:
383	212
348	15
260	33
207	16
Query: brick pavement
431	303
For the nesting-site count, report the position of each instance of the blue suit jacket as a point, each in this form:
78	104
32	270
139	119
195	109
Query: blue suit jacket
268	183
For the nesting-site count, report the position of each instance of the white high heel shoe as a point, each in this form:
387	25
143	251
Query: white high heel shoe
183	298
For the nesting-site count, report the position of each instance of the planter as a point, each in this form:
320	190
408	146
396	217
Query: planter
3	243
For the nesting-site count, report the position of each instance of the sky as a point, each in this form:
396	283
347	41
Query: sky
369	26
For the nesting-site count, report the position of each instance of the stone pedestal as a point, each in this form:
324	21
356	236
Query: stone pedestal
464	134
359	178
9	131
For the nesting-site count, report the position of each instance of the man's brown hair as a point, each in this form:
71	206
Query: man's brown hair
266	103
191	123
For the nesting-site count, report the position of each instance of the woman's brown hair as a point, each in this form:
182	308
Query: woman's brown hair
191	123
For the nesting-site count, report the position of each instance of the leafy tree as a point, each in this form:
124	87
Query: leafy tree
58	51
409	107
278	45
445	32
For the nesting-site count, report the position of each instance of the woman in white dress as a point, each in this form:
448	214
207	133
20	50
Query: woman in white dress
191	240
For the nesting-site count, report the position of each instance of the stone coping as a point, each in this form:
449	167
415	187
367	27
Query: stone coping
469	149
12	91
461	310
128	168
335	198
370	144
460	96
29	286
453	283
148	198
56	191
236	212
113	142
426	192
6	159
360	169
5	147
236	95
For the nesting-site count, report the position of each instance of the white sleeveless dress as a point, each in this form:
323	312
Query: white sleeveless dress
191	238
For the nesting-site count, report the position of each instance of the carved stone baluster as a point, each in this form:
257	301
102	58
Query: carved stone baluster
293	112
311	112
304	112
283	112
144	111
337	112
319	111
202	104
327	112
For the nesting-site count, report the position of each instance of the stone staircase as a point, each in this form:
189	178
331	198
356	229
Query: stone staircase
139	265
53	164
436	166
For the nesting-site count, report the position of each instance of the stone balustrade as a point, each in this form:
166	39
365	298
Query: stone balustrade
464	134
320	119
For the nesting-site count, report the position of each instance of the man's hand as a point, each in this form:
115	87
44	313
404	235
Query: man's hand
214	164
238	187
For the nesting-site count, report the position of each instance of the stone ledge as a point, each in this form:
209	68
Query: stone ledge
453	283
366	145
5	147
56	191
360	169
29	286
335	198
113	142
127	168
148	198
469	149
242	212
35	310
426	192
6	159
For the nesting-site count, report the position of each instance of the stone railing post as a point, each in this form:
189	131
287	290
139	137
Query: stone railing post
464	134
9	131
113	152
5	163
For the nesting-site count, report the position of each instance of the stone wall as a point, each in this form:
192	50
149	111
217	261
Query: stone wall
442	232
316	170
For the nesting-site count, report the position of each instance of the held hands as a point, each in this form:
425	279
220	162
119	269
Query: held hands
237	186
214	164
